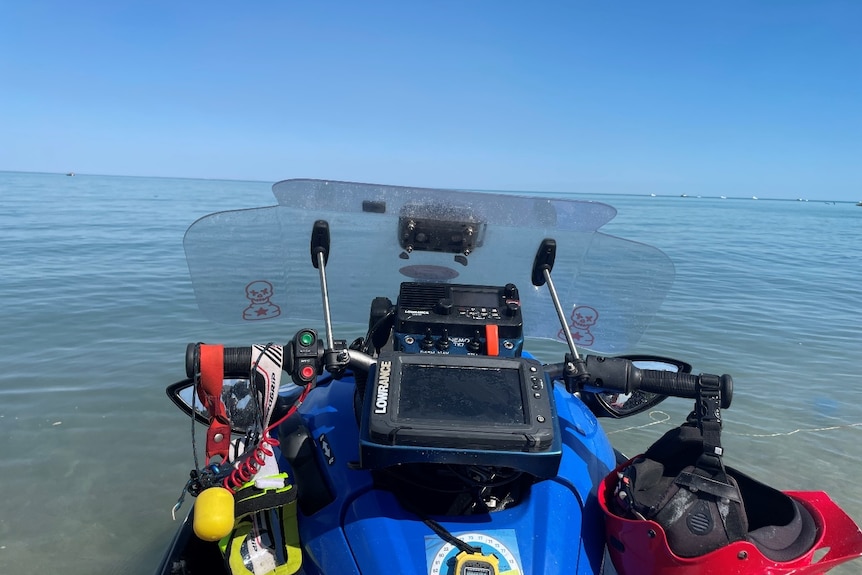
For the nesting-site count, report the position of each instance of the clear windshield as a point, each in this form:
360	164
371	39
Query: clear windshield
255	265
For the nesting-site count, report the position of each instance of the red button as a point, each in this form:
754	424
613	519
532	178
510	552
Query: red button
306	372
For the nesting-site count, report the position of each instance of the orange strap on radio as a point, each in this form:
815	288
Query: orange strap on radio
492	339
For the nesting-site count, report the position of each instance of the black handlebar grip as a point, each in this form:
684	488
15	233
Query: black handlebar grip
683	384
237	360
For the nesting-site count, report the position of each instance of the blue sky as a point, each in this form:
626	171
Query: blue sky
725	97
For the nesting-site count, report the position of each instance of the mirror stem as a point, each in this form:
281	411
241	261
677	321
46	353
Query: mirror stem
575	373
321	265
553	291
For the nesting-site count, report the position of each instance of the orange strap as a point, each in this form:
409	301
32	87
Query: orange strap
209	391
492	339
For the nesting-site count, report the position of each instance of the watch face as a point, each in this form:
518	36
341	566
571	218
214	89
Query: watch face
502	543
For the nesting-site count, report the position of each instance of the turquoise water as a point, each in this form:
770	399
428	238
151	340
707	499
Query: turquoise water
97	308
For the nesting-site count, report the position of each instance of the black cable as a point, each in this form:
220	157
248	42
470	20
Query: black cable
441	531
446	536
503	479
369	336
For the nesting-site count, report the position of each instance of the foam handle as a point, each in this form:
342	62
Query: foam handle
237	360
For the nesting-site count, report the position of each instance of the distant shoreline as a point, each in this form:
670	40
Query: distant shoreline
507	191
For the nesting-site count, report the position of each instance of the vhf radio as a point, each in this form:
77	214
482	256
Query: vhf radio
457	319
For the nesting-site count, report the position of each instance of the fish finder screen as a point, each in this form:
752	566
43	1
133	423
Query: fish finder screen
481	396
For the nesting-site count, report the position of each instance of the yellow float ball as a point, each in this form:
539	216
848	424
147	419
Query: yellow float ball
213	517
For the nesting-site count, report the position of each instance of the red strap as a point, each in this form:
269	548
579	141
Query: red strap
212	379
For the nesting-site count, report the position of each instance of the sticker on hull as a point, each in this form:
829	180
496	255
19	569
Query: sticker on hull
502	543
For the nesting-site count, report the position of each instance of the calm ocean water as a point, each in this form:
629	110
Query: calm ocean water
98	306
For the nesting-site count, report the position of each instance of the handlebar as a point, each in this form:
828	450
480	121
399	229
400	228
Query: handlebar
236	360
622	376
614	374
685	384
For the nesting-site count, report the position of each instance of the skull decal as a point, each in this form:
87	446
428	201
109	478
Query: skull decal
583	318
258	293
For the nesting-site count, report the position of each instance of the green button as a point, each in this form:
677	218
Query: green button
306	338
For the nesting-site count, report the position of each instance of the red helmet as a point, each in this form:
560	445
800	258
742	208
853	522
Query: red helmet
797	532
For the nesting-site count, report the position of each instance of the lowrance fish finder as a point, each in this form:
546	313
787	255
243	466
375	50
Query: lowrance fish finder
471	410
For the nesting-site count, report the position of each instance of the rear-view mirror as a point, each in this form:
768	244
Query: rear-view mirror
238	398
